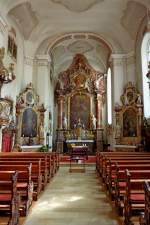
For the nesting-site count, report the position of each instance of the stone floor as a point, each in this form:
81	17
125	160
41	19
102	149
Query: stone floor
73	199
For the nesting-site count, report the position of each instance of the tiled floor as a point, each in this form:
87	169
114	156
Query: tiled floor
73	199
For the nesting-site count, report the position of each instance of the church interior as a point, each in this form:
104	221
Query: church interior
74	112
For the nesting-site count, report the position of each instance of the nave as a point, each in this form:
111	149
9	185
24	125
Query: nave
73	199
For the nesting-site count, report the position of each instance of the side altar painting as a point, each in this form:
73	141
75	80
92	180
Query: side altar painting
129	117
30	118
78	94
29	123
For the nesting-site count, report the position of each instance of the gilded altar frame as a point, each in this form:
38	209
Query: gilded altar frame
79	81
129	117
30	118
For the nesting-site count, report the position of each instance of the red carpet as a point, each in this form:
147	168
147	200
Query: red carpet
66	159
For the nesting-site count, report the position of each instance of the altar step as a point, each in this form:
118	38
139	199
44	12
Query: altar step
65	160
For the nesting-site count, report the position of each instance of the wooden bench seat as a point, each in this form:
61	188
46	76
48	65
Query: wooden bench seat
145	218
44	170
24	184
134	200
101	156
9	197
120	183
36	175
48	162
110	173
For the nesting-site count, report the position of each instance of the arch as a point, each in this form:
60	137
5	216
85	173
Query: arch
46	43
85	35
144	60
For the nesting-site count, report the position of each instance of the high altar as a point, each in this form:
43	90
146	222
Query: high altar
80	94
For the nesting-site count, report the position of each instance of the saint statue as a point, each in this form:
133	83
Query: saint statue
94	122
41	130
117	131
65	123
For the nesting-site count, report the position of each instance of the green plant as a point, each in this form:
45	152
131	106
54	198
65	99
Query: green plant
44	148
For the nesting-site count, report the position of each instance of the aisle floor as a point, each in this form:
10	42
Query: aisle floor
73	199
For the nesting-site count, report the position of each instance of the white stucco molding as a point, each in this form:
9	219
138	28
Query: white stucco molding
120	59
43	60
29	61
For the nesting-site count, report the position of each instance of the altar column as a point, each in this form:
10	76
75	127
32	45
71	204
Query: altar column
60	111
99	111
99	129
60	131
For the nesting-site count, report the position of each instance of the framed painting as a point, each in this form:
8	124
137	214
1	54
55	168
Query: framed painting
130	123
80	110
29	123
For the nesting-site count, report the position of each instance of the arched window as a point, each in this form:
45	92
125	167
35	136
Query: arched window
145	54
109	97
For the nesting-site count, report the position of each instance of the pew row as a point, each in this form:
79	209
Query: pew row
36	173
24	185
134	200
145	218
9	197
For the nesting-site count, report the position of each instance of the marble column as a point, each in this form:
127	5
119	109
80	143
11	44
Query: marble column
99	111
60	112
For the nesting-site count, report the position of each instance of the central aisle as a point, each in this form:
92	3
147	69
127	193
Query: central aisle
73	199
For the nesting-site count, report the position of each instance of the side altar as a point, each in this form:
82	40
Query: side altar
80	96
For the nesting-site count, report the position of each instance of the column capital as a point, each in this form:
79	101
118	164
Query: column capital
43	60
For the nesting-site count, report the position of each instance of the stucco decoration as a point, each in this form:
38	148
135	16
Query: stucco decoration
80	47
58	52
25	17
78	5
132	17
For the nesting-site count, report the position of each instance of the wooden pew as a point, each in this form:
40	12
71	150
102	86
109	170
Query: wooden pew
109	163
110	175
54	156
120	182
36	175
145	219
29	158
9	197
100	156
47	160
134	200
24	185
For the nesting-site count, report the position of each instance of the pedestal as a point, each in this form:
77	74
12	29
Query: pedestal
60	141
99	139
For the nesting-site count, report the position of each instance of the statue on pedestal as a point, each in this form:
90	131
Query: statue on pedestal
93	122
65	123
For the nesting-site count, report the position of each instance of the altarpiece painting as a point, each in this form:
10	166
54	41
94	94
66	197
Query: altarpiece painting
80	109
29	123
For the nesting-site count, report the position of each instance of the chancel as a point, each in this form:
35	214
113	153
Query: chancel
74	96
